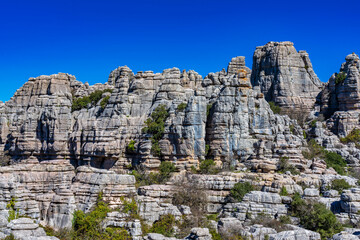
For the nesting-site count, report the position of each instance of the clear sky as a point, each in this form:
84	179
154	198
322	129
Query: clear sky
90	38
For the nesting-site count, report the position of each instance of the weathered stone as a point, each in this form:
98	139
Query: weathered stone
285	76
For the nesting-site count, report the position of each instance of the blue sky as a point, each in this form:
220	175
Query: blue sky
90	38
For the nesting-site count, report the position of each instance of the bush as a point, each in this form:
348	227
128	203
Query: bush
353	136
240	189
93	99
104	102
130	208
181	107
335	161
284	166
283	191
89	225
315	217
340	185
208	109
207	149
155	125
165	225
340	78
165	169
332	159
275	108
144	179
208	166
130	148
13	214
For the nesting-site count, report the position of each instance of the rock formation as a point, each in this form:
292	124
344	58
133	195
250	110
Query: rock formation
285	76
64	143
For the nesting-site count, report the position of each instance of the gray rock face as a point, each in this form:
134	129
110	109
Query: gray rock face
285	76
26	229
221	110
340	100
255	203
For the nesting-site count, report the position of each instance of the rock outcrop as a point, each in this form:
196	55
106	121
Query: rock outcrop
285	76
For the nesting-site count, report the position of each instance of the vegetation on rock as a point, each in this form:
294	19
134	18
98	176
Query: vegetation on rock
130	148
240	189
13	214
208	166
275	108
340	78
315	217
92	99
285	166
332	159
143	178
165	225
340	185
155	125
181	107
353	136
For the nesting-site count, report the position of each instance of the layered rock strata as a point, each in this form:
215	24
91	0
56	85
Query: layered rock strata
285	76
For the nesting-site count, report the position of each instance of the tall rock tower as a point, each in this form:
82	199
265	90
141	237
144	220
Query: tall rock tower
285	76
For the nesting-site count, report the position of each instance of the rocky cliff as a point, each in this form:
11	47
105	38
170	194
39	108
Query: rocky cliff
285	76
65	143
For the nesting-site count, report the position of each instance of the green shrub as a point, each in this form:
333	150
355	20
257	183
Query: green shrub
93	99
284	166
332	159
340	78
353	136
208	109
315	217
207	149
335	161
292	129
10	237
181	107
340	185
130	208
275	108
13	214
165	169
215	235
208	166
155	125
143	178
304	134
88	225
165	225
240	189
313	123
104	102
214	217
285	219
80	103
130	148
283	191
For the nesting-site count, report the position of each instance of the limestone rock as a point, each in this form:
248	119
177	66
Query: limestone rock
285	76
